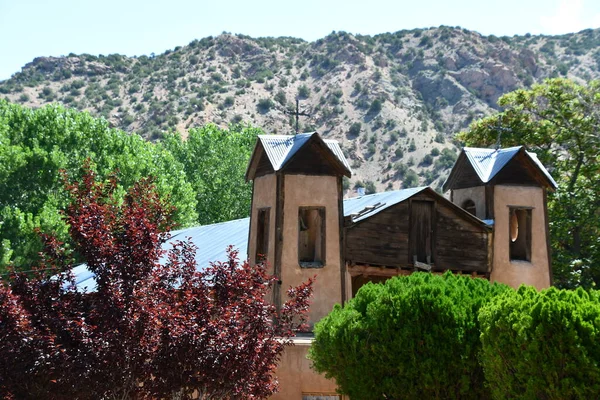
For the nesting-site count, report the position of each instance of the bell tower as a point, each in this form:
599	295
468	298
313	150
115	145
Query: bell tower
296	220
507	189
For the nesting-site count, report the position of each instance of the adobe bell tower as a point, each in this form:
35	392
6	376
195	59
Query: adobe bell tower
507	188
296	216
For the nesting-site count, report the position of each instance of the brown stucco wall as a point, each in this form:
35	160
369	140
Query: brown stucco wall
296	377
515	273
264	194
477	194
303	191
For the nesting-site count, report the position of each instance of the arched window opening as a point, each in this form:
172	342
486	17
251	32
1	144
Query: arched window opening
519	230
469	206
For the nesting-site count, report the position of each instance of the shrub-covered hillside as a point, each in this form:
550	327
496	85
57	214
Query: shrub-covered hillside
393	100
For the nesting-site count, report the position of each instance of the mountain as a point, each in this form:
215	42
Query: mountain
394	101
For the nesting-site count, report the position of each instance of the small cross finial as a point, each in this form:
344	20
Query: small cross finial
499	128
297	113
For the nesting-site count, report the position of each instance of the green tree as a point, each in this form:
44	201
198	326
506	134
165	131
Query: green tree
264	105
411	179
542	345
375	107
303	92
412	337
214	162
36	144
559	120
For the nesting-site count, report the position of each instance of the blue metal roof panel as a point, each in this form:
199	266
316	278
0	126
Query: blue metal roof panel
334	146
281	148
536	160
276	147
488	162
369	205
211	240
296	144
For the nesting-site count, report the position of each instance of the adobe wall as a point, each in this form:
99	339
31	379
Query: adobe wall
476	193
265	188
321	191
296	377
511	272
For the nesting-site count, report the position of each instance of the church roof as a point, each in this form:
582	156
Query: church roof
280	149
488	163
212	241
363	207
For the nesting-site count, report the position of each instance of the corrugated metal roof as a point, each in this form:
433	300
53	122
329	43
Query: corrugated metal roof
535	159
489	162
281	148
211	240
367	206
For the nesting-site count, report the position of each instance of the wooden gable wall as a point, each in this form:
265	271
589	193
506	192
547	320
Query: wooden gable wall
463	175
457	242
520	171
315	158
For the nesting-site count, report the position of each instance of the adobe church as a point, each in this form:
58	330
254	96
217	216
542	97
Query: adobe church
494	226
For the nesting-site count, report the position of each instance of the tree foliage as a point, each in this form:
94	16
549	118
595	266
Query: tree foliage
415	336
542	345
559	120
215	162
154	326
202	177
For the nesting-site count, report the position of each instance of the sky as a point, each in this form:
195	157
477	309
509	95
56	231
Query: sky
32	28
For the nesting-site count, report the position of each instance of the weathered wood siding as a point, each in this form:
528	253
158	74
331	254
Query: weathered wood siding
459	244
381	239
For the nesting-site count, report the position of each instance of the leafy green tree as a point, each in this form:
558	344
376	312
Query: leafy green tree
36	144
542	345
412	337
559	120
214	162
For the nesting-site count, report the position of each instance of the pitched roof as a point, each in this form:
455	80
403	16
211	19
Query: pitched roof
364	207
487	163
212	241
281	148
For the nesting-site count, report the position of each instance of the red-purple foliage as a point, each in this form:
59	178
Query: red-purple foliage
150	329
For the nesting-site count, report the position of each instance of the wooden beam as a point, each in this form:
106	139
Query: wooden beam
341	231
363	269
279	203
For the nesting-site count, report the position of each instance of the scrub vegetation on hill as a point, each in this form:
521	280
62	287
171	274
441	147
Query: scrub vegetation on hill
389	99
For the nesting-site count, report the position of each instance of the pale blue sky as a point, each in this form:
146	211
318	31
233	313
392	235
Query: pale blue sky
31	28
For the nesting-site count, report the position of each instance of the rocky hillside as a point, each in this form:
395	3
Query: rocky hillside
394	101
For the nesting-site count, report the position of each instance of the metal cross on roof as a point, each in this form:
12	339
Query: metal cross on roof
298	114
500	129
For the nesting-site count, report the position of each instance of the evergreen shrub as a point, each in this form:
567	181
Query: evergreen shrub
543	345
412	337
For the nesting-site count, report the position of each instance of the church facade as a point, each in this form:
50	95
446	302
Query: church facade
493	226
